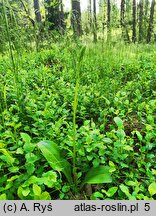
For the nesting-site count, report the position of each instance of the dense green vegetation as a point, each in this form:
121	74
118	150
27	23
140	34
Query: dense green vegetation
77	100
78	122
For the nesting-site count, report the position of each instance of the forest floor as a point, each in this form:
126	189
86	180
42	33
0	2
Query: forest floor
106	151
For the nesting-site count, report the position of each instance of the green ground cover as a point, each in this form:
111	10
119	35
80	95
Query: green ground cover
79	123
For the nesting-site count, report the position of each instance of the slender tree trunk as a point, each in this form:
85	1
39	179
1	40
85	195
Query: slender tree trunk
90	13
124	29
95	21
140	21
122	12
62	23
53	13
150	25
108	14
76	17
108	19
146	7
134	22
37	11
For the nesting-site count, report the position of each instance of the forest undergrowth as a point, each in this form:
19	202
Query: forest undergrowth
78	122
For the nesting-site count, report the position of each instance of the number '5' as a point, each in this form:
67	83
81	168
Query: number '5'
147	207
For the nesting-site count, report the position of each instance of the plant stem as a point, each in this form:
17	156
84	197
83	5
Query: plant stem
15	71
9	41
74	129
75	103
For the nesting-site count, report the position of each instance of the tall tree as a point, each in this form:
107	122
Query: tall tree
95	21
62	22
108	20
37	11
122	18
140	21
108	14
52	13
103	14
76	17
150	25
122	12
90	13
124	28
147	3
134	22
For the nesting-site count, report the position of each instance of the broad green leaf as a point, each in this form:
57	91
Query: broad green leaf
123	165
118	122
30	167
13	178
107	140
26	138
98	175
111	191
132	183
148	198
152	188
7	156
31	158
13	169
96	196
49	178
1	145
3	196
45	196
154	171
25	191
65	189
37	190
31	180
139	135
120	134
125	190
28	146
19	192
112	167
19	151
52	154
127	148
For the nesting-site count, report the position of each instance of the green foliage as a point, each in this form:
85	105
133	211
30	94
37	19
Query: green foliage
152	188
98	175
52	153
114	127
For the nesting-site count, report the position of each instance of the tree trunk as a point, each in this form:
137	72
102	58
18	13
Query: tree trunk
150	25
122	13
76	17
53	13
37	11
124	29
108	20
90	13
62	23
95	21
134	22
108	14
140	21
146	7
